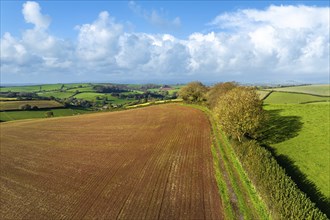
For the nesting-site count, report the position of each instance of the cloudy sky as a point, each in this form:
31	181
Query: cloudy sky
165	41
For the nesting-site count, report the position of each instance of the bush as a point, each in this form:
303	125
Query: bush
280	193
35	107
25	107
49	114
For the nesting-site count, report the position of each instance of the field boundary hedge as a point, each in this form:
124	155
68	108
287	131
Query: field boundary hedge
266	96
283	198
281	194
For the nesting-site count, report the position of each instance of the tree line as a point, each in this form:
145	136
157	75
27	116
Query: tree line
238	108
239	112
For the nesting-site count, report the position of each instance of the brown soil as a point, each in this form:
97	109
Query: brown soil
148	163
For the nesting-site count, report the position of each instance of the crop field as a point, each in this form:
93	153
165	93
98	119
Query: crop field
292	98
311	89
7	99
308	146
15	105
147	163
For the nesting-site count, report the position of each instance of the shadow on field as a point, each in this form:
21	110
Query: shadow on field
281	128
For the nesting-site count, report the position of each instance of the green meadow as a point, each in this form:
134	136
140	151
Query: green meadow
56	94
306	142
44	87
323	89
18	115
292	98
92	96
83	89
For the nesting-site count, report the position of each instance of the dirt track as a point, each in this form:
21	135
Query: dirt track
148	163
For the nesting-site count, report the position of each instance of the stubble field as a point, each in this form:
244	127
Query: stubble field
148	163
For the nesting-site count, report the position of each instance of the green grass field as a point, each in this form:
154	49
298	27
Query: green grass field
308	145
91	96
21	89
60	95
292	98
323	89
83	89
45	87
34	88
18	115
15	105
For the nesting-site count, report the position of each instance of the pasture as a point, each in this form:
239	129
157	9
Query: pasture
323	89
43	87
293	98
56	94
302	134
58	112
92	96
146	163
15	105
83	89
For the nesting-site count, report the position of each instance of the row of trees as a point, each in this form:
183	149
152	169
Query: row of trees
239	112
238	108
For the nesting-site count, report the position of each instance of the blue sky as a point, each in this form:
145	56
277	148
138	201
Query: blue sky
164	41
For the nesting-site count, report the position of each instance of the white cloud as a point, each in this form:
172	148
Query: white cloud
248	45
99	40
32	14
36	52
157	18
135	50
292	17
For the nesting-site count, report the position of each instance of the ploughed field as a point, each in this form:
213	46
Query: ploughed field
148	163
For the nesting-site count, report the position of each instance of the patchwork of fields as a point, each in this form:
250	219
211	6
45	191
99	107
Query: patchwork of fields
147	163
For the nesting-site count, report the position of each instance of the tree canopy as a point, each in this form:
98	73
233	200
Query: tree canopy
193	92
240	112
217	91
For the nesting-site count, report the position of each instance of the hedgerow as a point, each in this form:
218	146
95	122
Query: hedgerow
282	196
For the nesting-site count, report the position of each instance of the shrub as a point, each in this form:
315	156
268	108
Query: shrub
25	107
49	114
